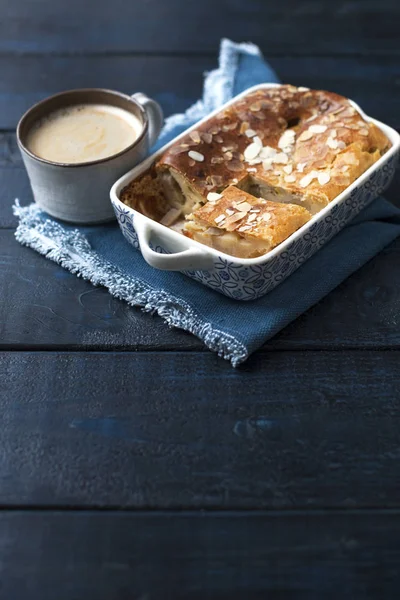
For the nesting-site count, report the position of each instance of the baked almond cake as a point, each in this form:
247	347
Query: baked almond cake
250	176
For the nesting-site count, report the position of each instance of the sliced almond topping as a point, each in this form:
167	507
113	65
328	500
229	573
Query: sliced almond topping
333	133
195	136
229	147
290	178
249	132
229	211
349	112
287	149
255	161
318	128
252	151
303	89
312	118
234	219
243	206
219	219
255	107
207	137
251	170
306	135
191	162
238	201
244	228
332	143
238	155
228	155
257	140
351	158
219	139
338	110
267	152
179	149
215	160
251	218
323	178
307	179
197	156
288	169
229	126
266	216
280	158
216	179
364	132
341	144
235	165
267	165
286	139
300	167
244	127
255	210
213	196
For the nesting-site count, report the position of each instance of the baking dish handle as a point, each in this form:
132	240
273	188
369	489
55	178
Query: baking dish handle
188	259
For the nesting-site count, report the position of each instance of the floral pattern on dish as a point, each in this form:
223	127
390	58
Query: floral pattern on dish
249	282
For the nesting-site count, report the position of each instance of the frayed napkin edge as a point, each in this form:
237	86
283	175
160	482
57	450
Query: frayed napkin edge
72	251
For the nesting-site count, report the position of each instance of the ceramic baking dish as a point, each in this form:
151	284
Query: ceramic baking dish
249	278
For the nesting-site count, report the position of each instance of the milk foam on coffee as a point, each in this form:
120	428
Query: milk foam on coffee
83	133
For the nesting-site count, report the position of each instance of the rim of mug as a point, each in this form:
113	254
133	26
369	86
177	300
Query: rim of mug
43	102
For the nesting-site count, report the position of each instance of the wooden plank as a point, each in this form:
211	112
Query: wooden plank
45	306
173	430
311	27
14	183
177	81
103	555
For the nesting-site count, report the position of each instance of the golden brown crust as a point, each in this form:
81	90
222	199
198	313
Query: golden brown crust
297	148
251	218
303	133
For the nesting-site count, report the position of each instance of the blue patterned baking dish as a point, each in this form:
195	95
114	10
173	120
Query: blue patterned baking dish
248	279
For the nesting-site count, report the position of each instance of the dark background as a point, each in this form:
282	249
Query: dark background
134	463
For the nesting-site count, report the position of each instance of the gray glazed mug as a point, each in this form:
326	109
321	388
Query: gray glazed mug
80	192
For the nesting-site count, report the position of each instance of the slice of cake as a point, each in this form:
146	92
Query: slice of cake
239	224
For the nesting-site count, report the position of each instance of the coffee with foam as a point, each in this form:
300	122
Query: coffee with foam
83	133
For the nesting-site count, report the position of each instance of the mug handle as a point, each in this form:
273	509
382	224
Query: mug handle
188	259
154	113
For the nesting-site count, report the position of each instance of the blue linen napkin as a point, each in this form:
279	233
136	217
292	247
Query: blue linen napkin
231	328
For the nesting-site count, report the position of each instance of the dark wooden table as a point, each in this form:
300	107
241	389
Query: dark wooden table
135	464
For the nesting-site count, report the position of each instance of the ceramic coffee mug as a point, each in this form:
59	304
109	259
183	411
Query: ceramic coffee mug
80	192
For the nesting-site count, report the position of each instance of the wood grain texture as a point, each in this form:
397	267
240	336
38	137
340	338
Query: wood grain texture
185	430
177	81
311	27
312	432
290	556
45	306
